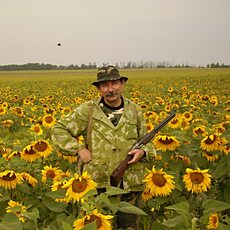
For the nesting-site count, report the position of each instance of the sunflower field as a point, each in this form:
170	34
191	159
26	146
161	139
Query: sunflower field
187	183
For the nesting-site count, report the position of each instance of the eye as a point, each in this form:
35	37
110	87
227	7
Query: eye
116	82
103	84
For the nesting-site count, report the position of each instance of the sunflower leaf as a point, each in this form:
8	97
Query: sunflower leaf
66	226
211	206
174	221
91	192
2	161
90	226
180	208
60	193
4	198
18	162
128	208
223	226
221	168
153	203
227	194
10	226
10	217
54	206
112	191
33	215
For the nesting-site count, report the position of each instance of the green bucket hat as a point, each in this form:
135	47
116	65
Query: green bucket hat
108	73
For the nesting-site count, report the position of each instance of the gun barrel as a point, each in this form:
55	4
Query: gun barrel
117	174
147	138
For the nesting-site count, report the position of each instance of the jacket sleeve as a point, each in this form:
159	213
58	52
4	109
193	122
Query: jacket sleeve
65	132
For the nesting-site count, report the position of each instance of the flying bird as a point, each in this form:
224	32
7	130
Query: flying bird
59	44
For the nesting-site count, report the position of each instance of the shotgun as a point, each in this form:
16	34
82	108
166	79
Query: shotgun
118	173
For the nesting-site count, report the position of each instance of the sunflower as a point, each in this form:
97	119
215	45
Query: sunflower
37	129
222	144
158	182
175	123
77	100
6	152
205	97
26	101
226	149
14	154
55	187
29	154
149	126
7	123
48	120
78	186
166	142
153	117
200	130
65	110
80	139
146	194
177	157
51	173
210	156
184	88
167	108
70	159
64	175
17	208
144	105
103	222
210	142
197	181
42	147
184	124
158	157
187	116
214	100
2	110
18	111
30	179
10	179
170	89
135	99
160	101
5	104
50	111
213	221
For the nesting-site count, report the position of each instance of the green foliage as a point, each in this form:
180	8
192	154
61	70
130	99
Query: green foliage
57	90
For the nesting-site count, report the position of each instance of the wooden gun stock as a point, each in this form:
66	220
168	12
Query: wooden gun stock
118	173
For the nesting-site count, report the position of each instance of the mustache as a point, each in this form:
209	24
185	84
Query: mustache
111	94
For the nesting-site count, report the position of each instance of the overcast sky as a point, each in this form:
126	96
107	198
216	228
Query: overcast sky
109	31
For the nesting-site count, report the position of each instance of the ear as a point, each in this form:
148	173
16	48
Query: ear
123	81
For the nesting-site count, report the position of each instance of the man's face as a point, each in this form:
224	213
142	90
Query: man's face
111	90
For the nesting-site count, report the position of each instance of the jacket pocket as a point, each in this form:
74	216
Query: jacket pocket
131	130
98	169
133	178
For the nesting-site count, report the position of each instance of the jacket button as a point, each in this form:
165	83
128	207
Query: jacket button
114	150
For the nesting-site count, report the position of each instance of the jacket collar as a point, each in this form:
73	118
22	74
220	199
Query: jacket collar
99	114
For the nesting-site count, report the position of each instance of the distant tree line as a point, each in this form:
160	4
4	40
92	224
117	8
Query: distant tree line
217	65
124	65
42	66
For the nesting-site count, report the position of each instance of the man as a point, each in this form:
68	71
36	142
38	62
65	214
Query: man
110	126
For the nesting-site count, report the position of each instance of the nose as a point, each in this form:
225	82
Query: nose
110	87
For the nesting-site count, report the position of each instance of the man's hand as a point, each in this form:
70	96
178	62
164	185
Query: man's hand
137	155
85	155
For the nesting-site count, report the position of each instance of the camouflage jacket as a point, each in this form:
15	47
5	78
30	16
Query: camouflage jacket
109	144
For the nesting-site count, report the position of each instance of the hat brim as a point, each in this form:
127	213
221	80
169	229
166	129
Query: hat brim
109	79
